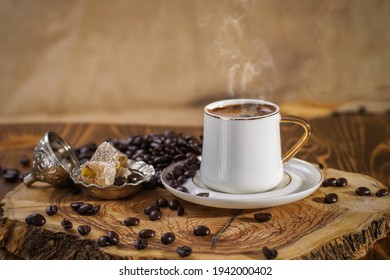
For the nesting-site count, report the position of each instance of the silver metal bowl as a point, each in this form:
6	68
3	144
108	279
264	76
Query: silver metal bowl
117	192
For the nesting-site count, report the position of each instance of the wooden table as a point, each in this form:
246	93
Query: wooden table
356	146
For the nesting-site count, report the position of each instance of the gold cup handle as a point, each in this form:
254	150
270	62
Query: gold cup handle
306	135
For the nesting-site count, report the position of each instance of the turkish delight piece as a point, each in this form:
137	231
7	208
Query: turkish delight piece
106	152
98	173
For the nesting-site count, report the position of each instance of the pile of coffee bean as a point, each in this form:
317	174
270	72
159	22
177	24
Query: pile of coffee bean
182	172
159	150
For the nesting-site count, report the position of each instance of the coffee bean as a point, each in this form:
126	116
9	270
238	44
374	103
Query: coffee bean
113	237
192	160
330	182
262	217
182	179
25	161
363	191
201	231
84	209
76	205
184	251
66	224
190	173
94	210
341	182
168	238
180	210
182	189
103	241
131	221
269	253
162	202
331	198
160	159
174	204
11	175
177	171
154	215
146	233
84	230
140	243
174	183
119	181
152	207
51	210
382	192
11	171
35	219
134	178
179	157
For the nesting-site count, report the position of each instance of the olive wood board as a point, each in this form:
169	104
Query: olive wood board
306	229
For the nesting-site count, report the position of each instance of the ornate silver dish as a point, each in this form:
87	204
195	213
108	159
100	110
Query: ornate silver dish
145	171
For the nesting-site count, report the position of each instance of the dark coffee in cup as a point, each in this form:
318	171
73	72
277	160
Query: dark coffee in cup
245	110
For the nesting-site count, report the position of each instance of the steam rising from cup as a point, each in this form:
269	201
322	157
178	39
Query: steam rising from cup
247	64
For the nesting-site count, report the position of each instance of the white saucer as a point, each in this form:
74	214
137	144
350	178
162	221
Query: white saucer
300	180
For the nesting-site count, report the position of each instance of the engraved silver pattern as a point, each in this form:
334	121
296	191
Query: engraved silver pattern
48	158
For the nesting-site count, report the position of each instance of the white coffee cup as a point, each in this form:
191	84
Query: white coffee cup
241	151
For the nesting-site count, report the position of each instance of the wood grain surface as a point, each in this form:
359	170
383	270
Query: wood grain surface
354	143
307	229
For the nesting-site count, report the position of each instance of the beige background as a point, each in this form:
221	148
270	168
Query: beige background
161	61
